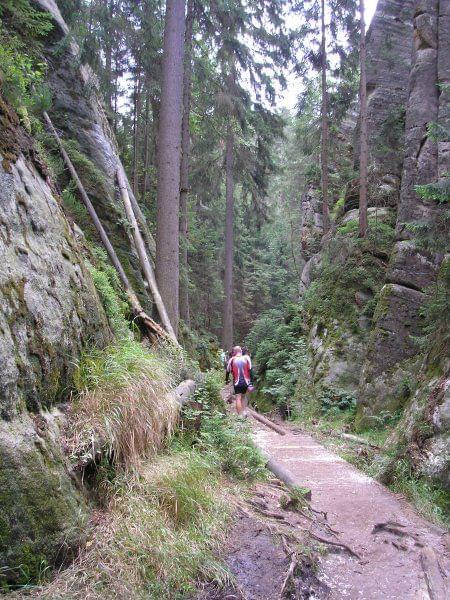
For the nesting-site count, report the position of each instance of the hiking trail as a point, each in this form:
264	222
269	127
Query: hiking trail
379	525
402	555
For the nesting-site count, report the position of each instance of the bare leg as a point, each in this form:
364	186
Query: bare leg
239	404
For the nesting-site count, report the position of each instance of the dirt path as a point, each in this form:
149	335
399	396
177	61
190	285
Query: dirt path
391	564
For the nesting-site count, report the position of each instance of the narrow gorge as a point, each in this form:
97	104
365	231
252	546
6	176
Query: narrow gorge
122	465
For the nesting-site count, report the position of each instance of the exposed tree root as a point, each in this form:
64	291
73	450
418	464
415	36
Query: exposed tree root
333	543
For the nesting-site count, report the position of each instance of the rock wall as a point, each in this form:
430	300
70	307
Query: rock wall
389	49
79	115
393	349
49	312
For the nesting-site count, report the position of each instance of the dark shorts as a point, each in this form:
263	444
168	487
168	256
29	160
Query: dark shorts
240	388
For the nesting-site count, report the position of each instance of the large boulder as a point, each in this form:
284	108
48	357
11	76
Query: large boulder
43	516
390	354
423	433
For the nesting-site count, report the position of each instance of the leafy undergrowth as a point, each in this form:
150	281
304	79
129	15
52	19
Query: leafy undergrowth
164	521
430	500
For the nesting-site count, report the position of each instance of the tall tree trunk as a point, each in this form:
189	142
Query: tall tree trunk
363	152
109	41
146	144
156	106
169	160
324	150
116	91
137	108
227	332
184	172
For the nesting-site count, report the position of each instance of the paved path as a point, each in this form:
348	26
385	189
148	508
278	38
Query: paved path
390	566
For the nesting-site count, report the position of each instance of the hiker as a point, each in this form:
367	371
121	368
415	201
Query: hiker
240	367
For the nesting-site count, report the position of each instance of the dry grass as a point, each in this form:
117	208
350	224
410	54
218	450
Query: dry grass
124	410
160	534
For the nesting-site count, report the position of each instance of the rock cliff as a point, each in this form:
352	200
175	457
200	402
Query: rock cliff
389	45
369	347
78	113
413	268
50	311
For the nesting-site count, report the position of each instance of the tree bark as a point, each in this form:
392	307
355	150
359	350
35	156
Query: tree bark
363	153
153	329
184	171
169	159
324	148
143	258
137	108
227	332
146	145
109	9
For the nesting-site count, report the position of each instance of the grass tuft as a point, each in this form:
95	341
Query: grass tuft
161	535
123	410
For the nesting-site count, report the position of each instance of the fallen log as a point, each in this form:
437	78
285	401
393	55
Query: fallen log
281	472
184	391
150	244
266	421
146	266
153	329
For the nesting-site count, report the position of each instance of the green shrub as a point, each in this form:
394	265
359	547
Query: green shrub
115	308
430	499
21	68
336	401
280	356
226	439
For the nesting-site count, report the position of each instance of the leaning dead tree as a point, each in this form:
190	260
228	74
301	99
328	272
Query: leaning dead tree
152	328
142	253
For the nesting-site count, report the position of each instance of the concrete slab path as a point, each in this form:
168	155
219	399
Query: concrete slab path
391	563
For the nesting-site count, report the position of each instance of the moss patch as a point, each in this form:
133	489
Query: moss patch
43	516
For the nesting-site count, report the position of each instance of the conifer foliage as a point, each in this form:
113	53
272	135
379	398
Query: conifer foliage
191	89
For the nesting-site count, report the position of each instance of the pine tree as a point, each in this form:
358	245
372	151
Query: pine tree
184	174
363	152
169	159
325	133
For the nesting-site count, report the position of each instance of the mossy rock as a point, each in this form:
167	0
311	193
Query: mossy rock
43	516
298	498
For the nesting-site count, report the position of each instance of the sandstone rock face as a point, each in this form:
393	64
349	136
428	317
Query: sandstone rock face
391	347
412	269
49	312
311	230
337	357
49	305
79	116
421	149
424	431
389	46
311	221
